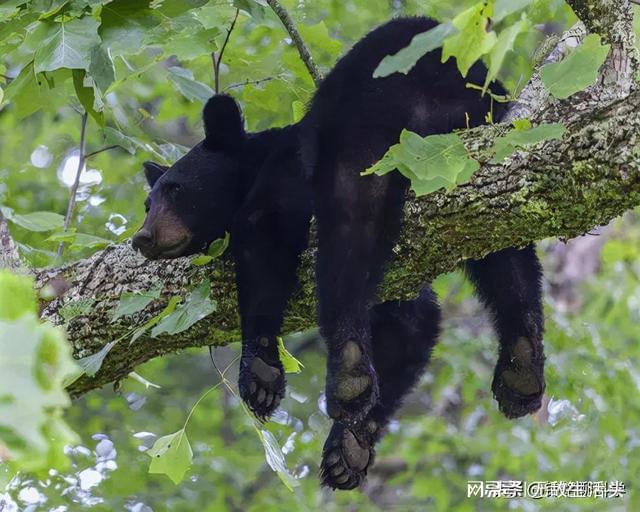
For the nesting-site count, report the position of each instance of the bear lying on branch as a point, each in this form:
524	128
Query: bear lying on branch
264	187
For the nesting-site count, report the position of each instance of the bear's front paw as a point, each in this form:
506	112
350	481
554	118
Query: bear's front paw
518	382
262	380
347	454
352	386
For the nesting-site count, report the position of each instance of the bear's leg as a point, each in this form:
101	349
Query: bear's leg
358	224
266	268
509	284
403	334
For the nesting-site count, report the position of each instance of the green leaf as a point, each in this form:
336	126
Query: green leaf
504	8
187	86
9	7
421	44
29	92
91	364
38	221
521	124
275	458
124	26
254	8
216	249
472	40
134	302
16	296
202	260
430	163
129	144
84	241
504	45
298	109
53	7
576	71
101	68
289	362
169	309
173	8
324	46
67	44
35	361
172	456
78	240
86	95
76	308
219	246
519	138
197	306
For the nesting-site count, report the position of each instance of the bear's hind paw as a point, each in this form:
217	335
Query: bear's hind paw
346	456
518	383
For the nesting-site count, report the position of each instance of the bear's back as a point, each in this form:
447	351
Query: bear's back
431	88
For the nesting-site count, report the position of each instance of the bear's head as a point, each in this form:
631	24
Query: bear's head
193	202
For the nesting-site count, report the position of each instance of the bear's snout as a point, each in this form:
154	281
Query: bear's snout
142	240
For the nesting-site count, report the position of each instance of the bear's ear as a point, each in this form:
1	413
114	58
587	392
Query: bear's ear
223	124
153	171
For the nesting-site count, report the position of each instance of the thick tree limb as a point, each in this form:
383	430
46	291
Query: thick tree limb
557	189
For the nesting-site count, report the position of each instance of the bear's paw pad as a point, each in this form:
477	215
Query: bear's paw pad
262	387
518	383
352	388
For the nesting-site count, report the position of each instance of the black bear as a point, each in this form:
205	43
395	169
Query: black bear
264	187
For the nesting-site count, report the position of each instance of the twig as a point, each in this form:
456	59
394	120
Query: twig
637	2
250	82
218	60
76	182
305	55
9	257
97	152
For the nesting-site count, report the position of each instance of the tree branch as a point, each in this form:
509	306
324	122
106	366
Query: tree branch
218	60
101	150
76	182
305	55
557	189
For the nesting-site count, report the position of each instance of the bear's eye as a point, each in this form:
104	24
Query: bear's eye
174	189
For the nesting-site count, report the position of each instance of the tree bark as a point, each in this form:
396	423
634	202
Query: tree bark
561	188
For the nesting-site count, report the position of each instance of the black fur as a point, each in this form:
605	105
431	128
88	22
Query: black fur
264	188
223	124
153	172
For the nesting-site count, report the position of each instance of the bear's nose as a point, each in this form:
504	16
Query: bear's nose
142	240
